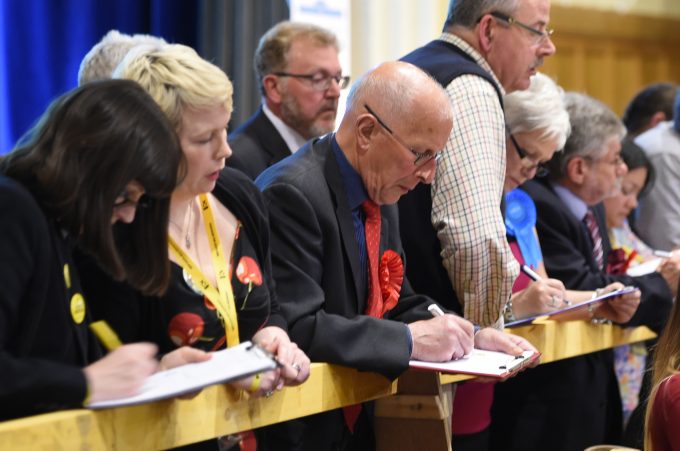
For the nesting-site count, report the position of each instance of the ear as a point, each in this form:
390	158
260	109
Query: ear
486	32
272	88
658	117
576	170
365	132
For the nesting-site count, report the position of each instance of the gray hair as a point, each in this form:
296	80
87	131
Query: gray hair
102	59
271	54
398	95
466	13
592	124
540	107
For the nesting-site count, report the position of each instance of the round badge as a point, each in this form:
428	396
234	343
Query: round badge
190	282
78	308
67	276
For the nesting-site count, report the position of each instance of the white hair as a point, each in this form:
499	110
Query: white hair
540	107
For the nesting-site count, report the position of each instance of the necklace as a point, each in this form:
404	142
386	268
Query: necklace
186	228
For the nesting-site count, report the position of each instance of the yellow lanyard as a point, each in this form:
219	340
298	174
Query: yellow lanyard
222	296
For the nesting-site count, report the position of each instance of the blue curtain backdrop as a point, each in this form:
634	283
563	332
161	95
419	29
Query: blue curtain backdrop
43	41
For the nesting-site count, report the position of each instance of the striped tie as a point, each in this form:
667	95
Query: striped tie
595	236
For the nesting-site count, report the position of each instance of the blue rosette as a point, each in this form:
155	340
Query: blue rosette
520	220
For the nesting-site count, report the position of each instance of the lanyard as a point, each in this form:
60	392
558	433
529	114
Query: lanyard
222	297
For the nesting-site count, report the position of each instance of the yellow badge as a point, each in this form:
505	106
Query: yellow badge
67	276
78	308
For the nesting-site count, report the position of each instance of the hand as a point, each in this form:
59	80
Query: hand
122	372
670	271
619	309
295	362
442	338
541	296
496	340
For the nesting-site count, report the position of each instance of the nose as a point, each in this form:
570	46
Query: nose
621	169
333	90
547	47
224	150
125	214
425	173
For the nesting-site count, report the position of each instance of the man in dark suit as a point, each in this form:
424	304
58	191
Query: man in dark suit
323	202
300	78
575	403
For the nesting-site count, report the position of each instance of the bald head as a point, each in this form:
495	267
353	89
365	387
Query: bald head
398	119
402	91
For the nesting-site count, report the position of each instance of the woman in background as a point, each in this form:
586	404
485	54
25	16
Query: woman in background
97	154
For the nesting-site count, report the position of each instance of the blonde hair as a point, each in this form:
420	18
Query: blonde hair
177	78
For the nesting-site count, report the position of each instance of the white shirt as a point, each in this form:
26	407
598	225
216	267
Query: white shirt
292	138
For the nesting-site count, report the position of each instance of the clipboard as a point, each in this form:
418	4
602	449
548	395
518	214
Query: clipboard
481	362
571	308
226	365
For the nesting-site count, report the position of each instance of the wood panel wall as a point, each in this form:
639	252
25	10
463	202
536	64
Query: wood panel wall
611	56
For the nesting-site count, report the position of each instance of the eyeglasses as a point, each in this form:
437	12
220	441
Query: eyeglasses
527	161
319	81
539	36
616	162
123	200
421	157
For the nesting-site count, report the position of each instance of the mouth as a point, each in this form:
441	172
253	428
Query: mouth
214	175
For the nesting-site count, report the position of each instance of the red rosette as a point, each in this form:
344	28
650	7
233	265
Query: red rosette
248	271
391	275
617	262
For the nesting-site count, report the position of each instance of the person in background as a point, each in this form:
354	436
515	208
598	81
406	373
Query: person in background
570	225
658	221
663	409
453	230
537	125
338	260
103	57
300	78
96	156
649	107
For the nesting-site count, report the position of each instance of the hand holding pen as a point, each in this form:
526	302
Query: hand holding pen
543	296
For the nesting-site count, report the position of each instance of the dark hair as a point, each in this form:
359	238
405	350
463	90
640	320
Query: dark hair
676	112
652	99
635	158
85	149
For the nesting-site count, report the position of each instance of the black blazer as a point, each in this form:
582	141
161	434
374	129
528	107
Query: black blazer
318	277
256	145
42	349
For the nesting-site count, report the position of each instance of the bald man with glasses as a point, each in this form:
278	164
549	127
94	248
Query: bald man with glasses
300	78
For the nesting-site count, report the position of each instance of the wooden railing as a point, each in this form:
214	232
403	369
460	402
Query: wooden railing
221	410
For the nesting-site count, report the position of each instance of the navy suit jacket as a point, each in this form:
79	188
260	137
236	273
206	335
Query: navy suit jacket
256	145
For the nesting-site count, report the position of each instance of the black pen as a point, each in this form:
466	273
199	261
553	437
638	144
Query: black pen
530	273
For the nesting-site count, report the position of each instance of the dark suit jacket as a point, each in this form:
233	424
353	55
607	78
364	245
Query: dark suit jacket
42	349
318	274
256	145
573	403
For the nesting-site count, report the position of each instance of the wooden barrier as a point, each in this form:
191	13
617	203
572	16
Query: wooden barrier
424	400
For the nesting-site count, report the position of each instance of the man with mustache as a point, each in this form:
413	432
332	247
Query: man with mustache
300	79
454	229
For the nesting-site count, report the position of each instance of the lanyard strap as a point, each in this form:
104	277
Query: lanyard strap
222	297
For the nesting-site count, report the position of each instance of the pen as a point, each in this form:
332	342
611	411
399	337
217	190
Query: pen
106	335
435	310
530	273
663	254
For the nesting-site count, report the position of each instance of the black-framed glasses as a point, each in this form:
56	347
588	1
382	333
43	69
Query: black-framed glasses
539	35
421	157
527	161
123	200
319	81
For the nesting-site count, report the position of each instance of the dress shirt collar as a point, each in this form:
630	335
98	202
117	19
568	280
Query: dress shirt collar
354	186
292	138
574	203
474	54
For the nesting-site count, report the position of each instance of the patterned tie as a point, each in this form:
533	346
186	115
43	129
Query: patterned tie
372	231
594	230
374	304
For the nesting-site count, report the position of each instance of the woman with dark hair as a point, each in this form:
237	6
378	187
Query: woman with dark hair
98	153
